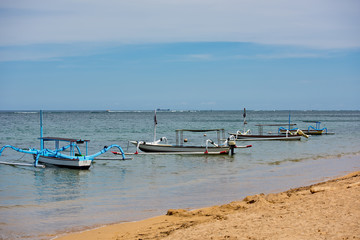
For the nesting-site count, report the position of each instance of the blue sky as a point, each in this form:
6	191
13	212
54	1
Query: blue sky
185	55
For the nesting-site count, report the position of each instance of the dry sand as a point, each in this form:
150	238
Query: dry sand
328	210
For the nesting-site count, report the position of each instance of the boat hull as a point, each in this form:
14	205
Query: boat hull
67	163
181	149
251	137
307	132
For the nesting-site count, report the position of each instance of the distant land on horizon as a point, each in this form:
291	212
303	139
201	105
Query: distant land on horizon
181	110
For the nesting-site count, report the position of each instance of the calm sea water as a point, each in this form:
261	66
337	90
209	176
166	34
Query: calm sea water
42	203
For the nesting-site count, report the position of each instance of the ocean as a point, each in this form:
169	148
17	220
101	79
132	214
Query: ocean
43	203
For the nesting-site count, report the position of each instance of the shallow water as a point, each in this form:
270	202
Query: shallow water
40	203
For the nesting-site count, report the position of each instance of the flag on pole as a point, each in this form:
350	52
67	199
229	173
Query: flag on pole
244	115
155	121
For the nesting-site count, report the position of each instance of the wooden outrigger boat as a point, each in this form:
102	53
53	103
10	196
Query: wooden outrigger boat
161	145
248	136
179	148
55	157
317	130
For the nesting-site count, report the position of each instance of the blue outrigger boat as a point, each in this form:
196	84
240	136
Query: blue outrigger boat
248	136
311	130
55	157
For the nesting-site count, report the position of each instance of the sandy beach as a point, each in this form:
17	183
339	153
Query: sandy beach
327	210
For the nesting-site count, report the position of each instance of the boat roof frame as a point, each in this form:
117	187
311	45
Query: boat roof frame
180	137
275	125
73	143
71	140
200	130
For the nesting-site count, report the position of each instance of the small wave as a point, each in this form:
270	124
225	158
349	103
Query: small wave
19	206
26	112
317	157
126	111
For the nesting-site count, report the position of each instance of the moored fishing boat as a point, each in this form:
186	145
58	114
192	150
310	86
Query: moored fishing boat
311	130
239	136
181	146
75	159
246	135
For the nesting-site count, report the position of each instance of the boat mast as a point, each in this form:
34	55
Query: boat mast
155	123
289	121
41	132
244	115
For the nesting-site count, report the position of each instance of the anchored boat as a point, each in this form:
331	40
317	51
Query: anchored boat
161	145
181	147
75	159
311	130
246	135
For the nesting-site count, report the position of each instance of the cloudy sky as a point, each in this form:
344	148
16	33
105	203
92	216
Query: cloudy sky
179	54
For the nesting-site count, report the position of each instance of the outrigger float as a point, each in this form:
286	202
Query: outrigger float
55	157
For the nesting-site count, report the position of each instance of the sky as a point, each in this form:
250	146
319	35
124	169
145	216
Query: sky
179	54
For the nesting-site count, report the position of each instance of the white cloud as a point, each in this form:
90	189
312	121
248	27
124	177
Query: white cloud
311	23
48	51
193	58
285	56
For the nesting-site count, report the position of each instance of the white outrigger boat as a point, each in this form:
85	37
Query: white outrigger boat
161	146
248	136
158	146
55	157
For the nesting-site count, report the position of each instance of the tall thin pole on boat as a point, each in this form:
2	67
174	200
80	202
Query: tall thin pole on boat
41	132
244	115
289	120
155	123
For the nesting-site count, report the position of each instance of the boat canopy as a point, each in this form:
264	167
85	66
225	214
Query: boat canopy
317	127
78	141
261	126
275	125
180	134
73	143
200	130
318	123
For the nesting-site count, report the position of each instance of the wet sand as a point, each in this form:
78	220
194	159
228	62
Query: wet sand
327	210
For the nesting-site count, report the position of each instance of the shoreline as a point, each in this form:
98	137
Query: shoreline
327	209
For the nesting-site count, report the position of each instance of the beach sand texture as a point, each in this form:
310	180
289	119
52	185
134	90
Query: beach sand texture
327	210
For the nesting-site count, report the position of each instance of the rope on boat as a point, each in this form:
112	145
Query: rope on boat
21	157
